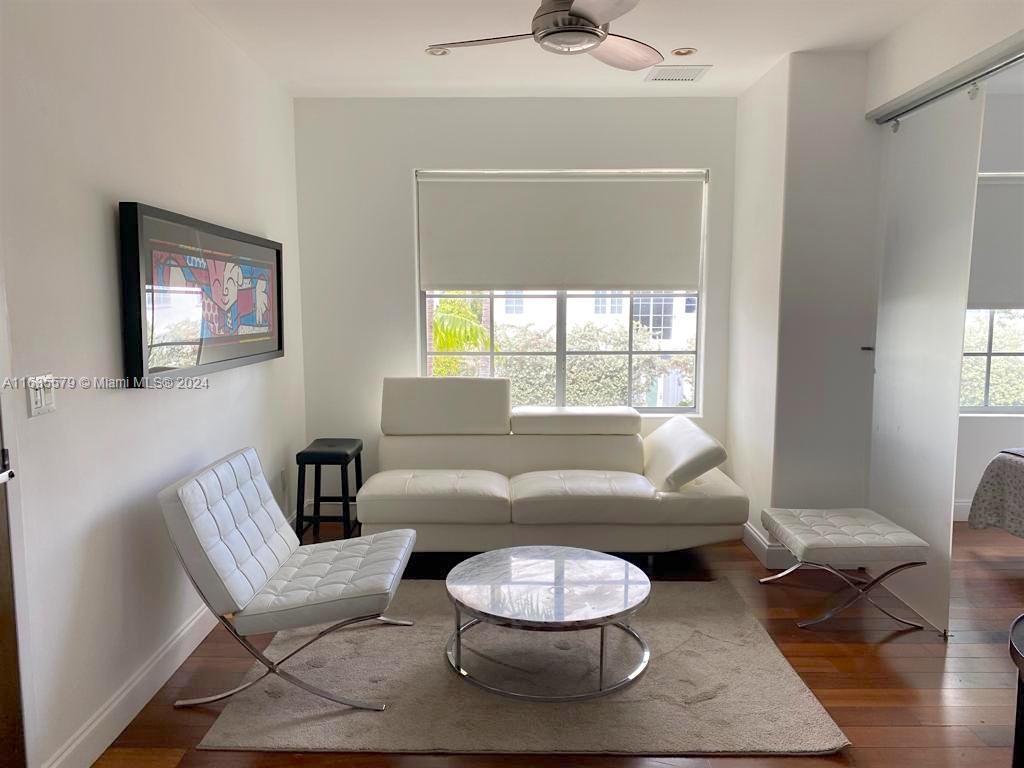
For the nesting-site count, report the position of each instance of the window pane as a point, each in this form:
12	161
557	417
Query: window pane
972	382
596	380
976	330
529	327
664	323
457	323
590	330
1006	385
458	366
533	378
664	381
1008	330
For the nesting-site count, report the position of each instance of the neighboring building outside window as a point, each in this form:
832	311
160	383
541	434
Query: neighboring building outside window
607	302
513	303
570	347
654	312
992	375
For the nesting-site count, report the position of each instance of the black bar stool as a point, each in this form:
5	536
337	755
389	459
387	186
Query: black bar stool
332	452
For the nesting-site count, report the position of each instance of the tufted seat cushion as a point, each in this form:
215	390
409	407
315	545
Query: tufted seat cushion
409	496
330	581
569	496
843	536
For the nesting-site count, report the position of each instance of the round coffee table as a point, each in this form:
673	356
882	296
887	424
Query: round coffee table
548	589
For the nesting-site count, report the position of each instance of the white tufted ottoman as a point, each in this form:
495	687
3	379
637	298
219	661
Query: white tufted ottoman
844	538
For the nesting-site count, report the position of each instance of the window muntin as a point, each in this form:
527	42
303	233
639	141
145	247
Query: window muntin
992	373
560	348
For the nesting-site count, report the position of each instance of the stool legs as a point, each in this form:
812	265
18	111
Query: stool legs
346	520
300	502
316	502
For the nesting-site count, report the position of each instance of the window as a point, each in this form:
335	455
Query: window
605	304
992	376
569	347
513	303
654	313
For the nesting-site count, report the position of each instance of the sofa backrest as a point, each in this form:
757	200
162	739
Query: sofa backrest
512	454
464	423
679	451
421	405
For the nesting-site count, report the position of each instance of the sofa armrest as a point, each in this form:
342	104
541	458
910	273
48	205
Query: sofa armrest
679	451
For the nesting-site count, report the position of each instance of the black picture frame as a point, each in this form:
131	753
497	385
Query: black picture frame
136	267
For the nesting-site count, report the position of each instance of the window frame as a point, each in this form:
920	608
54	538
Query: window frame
988	356
560	353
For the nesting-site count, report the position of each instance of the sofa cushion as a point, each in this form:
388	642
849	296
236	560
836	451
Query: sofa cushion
564	496
679	451
711	499
536	420
421	405
434	496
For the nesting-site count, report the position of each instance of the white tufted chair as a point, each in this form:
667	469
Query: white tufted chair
247	565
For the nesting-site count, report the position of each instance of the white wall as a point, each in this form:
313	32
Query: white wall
761	130
938	41
356	159
829	287
105	102
981	437
804	289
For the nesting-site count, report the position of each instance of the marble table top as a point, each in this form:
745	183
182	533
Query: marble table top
548	588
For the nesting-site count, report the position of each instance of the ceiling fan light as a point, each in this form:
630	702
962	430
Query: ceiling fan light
570	40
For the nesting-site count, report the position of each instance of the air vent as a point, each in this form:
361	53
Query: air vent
689	73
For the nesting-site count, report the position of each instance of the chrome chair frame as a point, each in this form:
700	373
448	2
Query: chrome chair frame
859	583
274	667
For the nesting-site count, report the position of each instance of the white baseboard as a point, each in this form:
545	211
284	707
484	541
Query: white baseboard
773	556
961	510
100	730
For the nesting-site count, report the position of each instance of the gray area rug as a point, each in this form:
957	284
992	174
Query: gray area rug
716	684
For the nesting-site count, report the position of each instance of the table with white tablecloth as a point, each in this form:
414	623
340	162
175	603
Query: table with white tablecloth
999	499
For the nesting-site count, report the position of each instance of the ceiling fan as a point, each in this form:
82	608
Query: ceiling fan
570	27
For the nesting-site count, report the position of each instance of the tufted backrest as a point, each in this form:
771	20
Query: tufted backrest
228	529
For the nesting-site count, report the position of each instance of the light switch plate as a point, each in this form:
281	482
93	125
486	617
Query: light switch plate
42	395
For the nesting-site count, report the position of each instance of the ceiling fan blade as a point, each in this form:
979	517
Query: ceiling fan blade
626	53
602	11
474	43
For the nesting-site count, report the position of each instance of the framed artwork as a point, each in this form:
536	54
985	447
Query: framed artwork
196	297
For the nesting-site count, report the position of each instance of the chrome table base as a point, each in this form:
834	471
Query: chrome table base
862	585
453	652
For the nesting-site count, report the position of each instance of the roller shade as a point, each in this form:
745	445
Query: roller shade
560	229
997	255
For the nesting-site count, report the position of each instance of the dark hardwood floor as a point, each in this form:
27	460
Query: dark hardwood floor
903	698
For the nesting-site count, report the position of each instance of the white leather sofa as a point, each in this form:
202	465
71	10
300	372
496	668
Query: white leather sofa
470	474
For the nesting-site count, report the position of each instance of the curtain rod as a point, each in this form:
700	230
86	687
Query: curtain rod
883	115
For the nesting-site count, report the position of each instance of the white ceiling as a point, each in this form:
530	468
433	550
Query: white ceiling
375	47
